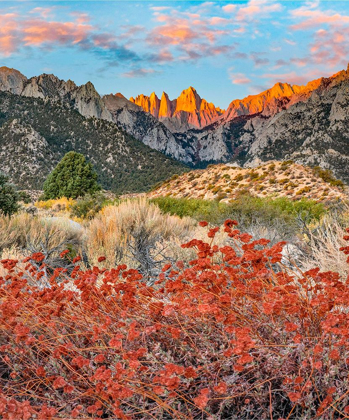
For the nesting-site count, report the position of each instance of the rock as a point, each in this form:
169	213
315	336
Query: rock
185	112
32	210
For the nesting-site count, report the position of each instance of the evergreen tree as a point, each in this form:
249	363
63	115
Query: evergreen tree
73	177
9	197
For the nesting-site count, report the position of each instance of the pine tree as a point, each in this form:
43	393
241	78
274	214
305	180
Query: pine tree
73	177
9	197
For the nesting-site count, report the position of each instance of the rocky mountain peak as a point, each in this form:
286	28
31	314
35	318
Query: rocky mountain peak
188	101
165	109
188	110
11	80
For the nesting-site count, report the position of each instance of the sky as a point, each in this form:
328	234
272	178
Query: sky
224	49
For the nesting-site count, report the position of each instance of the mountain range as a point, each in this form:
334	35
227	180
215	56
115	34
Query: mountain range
308	124
181	114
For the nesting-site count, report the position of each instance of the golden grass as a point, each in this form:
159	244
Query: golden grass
27	234
134	226
323	247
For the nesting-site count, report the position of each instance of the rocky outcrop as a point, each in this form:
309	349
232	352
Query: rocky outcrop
271	101
143	126
181	114
11	80
86	100
312	129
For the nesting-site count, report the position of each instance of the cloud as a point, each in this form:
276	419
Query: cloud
17	33
293	77
190	35
38	32
255	9
258	59
290	42
184	28
160	8
43	11
219	21
315	18
139	73
196	52
280	63
328	46
229	8
239	79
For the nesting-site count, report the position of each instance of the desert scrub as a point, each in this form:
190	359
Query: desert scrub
303	190
195	208
115	346
9	196
280	213
137	233
327	176
88	206
50	236
64	203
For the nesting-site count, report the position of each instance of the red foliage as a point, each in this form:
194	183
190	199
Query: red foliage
228	334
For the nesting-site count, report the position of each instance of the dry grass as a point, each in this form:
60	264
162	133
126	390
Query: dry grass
25	234
136	233
323	247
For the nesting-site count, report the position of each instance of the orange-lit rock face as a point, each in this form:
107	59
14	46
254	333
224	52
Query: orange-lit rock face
270	101
188	109
150	103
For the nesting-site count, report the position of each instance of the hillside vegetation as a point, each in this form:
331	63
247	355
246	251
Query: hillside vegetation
36	134
220	327
272	179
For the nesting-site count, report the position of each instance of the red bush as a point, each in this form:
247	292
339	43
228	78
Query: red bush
238	338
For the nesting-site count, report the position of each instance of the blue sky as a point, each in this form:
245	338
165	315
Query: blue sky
225	49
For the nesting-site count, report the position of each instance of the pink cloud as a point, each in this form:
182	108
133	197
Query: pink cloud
43	11
16	32
164	56
185	28
38	32
293	77
256	9
316	18
219	21
239	79
229	8
328	45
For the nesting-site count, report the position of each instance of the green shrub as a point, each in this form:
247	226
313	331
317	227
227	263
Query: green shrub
197	208
247	210
327	176
24	197
88	206
73	177
9	196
